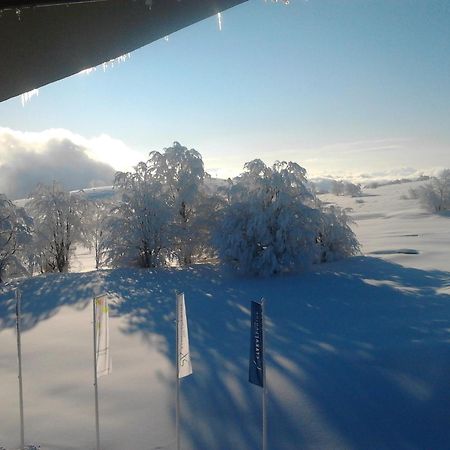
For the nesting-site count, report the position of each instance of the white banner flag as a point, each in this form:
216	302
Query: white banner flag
184	357
103	355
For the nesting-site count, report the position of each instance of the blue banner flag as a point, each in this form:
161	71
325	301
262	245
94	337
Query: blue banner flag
256	363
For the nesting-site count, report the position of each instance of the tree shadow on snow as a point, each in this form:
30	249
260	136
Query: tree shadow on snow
43	296
358	352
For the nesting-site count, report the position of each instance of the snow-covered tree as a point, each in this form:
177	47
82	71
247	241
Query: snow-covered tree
164	210
58	225
268	222
95	224
352	189
335	238
15	235
138	227
181	174
435	195
337	187
273	222
342	187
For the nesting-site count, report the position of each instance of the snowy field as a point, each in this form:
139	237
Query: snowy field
358	351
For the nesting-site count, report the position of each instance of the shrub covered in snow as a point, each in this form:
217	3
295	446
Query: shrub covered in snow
335	238
273	222
435	195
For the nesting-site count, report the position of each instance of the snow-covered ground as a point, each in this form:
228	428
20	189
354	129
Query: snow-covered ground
386	224
358	351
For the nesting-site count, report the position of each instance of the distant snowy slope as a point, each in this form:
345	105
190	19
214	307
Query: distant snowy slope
95	193
386	221
99	193
107	192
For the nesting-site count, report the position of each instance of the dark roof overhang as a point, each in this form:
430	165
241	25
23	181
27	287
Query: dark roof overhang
42	41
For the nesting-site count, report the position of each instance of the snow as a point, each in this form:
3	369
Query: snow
386	221
358	351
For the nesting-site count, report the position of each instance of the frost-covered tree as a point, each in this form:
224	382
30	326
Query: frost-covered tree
335	237
268	223
435	195
345	188
273	222
138	227
15	235
337	187
180	173
58	225
95	224
352	189
163	207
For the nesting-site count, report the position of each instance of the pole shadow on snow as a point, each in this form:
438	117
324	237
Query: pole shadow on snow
358	352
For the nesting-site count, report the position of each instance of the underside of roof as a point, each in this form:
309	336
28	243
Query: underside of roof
42	41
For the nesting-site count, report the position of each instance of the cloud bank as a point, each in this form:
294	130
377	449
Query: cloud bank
27	159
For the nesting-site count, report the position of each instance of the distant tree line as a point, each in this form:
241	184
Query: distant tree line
337	187
341	187
377	184
167	212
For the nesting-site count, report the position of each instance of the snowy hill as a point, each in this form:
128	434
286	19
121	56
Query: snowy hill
386	222
358	351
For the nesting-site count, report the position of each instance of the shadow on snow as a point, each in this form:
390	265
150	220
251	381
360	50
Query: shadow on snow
358	351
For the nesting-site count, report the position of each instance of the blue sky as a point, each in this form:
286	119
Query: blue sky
340	86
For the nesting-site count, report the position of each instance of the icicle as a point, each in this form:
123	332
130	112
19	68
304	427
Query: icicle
122	58
106	65
27	96
149	3
219	20
87	71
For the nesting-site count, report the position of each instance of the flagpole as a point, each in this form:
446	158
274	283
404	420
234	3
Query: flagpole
19	357
177	413
97	424
264	396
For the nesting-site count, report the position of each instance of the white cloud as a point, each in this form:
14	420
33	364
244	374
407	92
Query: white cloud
115	151
28	158
100	148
